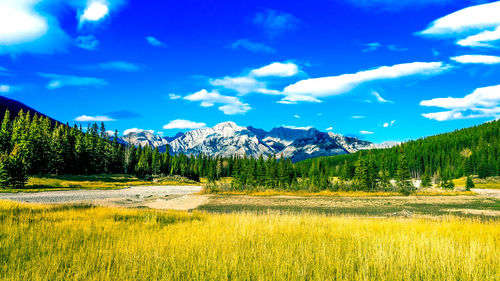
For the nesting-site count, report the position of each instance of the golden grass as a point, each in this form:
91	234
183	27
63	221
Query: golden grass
270	192
103	181
75	243
487	183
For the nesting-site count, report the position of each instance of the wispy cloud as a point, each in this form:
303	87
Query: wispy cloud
230	105
254	47
154	42
120	66
379	98
174	96
482	103
87	118
58	81
477	59
358	117
275	22
183	124
87	42
476	26
396	48
370	47
329	128
366	132
297	116
315	88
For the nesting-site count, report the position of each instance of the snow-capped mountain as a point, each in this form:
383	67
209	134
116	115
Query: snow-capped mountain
145	138
227	139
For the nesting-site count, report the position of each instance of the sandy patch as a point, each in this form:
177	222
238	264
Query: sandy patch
184	203
492	213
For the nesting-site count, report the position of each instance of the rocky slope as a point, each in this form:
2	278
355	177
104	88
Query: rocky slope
227	139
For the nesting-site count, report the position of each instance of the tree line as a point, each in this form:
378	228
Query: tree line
32	145
438	159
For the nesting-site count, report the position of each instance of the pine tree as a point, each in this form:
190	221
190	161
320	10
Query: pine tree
469	183
426	180
156	162
403	178
5	133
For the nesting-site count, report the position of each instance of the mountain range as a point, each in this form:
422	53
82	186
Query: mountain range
227	138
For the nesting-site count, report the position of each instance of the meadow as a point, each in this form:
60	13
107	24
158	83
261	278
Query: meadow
100	181
82	242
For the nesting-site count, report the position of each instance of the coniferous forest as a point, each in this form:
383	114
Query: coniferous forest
33	145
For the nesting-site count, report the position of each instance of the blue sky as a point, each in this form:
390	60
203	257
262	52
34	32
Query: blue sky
379	69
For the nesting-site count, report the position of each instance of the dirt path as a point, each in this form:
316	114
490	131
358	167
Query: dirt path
139	193
487	192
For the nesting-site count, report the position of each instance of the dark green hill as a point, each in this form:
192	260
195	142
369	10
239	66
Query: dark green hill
446	155
14	107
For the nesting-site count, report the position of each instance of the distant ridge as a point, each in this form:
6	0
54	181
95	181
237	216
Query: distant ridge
14	107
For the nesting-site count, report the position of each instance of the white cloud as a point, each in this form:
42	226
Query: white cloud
95	11
297	116
276	69
275	22
87	118
255	81
358	117
5	88
32	26
481	59
329	128
174	96
154	42
58	81
230	104
120	66
183	124
483	102
380	98
24	29
136	130
314	88
297	128
476	26
254	47
389	124
366	132
370	47
87	42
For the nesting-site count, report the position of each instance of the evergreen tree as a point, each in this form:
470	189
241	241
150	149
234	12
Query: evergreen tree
5	133
403	178
469	183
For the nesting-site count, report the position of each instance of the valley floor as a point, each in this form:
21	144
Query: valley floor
83	242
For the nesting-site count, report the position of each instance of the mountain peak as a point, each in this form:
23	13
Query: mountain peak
227	124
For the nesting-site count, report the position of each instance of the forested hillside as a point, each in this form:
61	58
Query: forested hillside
474	150
32	145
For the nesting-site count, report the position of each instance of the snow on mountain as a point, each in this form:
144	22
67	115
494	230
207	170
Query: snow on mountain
145	138
227	139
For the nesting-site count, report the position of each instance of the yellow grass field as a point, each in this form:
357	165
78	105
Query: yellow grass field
71	242
103	181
